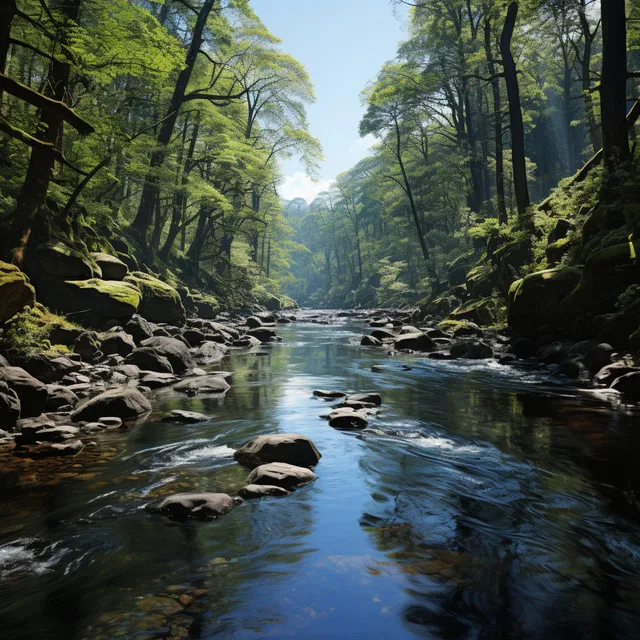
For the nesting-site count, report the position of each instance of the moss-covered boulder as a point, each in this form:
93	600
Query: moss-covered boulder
112	268
482	312
535	303
481	280
93	300
508	260
556	251
160	301
607	274
58	260
204	306
620	329
15	291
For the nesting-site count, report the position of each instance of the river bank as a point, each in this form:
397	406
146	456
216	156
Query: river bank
478	498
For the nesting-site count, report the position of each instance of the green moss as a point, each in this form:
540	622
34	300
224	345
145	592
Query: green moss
151	286
484	312
28	332
453	325
124	292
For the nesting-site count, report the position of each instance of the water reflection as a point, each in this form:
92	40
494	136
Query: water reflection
481	503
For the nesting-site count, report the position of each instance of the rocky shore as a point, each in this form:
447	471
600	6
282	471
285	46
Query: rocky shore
590	363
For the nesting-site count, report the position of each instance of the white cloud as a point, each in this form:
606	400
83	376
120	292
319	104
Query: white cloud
363	145
300	185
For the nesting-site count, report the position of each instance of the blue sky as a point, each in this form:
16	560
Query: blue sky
343	44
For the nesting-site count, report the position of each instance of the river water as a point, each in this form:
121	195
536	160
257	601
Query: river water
482	502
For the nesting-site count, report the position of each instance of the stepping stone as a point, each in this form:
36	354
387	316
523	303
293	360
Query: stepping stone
254	491
280	474
185	417
321	393
347	419
282	447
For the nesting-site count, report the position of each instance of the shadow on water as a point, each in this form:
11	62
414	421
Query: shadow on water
482	502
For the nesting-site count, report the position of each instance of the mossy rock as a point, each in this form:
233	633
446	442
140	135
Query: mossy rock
205	306
607	274
160	302
107	298
451	326
112	268
59	260
15	291
535	303
509	260
92	301
620	329
556	251
483	312
481	280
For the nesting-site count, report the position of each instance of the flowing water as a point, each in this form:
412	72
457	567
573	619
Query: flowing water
482	502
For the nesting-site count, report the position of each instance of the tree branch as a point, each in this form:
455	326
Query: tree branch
36	99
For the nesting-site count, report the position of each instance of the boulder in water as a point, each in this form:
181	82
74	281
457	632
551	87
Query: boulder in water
282	447
281	474
254	491
198	506
126	403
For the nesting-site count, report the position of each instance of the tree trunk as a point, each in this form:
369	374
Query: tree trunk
503	218
180	201
409	192
33	194
520	185
595	131
8	11
151	184
613	85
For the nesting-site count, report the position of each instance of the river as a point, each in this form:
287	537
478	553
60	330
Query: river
482	502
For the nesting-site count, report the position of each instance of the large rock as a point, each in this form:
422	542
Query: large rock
160	301
281	474
112	268
9	407
148	359
628	385
15	291
370	341
174	350
139	328
264	334
414	342
60	396
283	447
535	302
58	260
177	416
48	369
255	491
203	384
331	395
481	312
126	403
348	419
471	350
99	299
117	342
608	375
607	274
210	353
204	305
374	399
31	392
198	506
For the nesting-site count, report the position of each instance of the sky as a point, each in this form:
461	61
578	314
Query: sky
343	44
